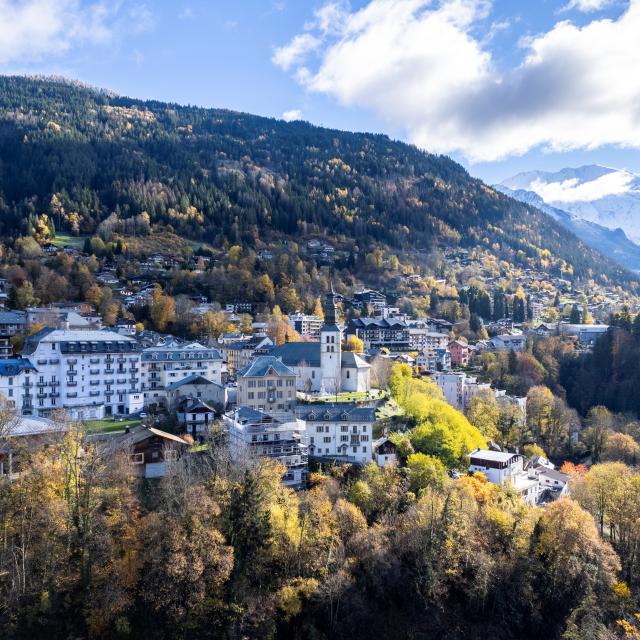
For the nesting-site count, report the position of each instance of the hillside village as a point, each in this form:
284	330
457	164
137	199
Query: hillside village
267	388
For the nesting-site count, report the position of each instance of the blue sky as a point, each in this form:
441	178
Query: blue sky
501	86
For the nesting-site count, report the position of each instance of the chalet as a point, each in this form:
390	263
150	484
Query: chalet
385	452
195	416
151	451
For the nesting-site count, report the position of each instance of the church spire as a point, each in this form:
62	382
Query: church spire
330	307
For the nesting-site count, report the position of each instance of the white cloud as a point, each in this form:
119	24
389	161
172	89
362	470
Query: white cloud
294	114
141	18
587	6
186	14
296	51
32	30
426	68
572	190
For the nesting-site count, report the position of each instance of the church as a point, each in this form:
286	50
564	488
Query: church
322	367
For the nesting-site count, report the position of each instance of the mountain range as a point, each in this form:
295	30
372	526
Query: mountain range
223	177
601	205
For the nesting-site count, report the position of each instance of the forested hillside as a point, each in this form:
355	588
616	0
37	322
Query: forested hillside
80	154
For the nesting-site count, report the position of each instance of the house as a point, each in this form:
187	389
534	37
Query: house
385	452
498	466
508	342
322	367
507	470
267	384
88	373
339	431
255	433
195	416
150	450
459	353
368	297
554	481
197	386
434	360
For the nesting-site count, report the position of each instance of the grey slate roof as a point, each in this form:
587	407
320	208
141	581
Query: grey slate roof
194	378
13	317
293	354
336	412
352	360
14	366
262	365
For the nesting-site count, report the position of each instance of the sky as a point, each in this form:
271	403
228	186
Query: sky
502	86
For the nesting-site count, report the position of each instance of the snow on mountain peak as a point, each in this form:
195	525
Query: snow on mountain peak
604	195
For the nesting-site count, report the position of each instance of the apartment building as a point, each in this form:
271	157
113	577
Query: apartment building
421	338
307	326
267	384
376	333
459	388
339	431
239	353
88	373
164	365
254	433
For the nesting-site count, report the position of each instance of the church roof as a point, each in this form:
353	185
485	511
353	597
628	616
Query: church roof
293	354
330	327
352	360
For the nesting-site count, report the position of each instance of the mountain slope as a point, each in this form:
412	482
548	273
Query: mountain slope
613	243
603	195
226	177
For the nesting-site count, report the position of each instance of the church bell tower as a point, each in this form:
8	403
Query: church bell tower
330	346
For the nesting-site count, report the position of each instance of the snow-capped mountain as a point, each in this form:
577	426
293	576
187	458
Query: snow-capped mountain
613	243
602	195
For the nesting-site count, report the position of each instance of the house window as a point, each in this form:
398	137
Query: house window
170	455
137	458
327	439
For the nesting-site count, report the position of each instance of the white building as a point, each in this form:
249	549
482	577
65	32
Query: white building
254	433
88	373
17	377
306	325
385	452
421	338
339	431
459	388
323	366
506	469
166	364
508	342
